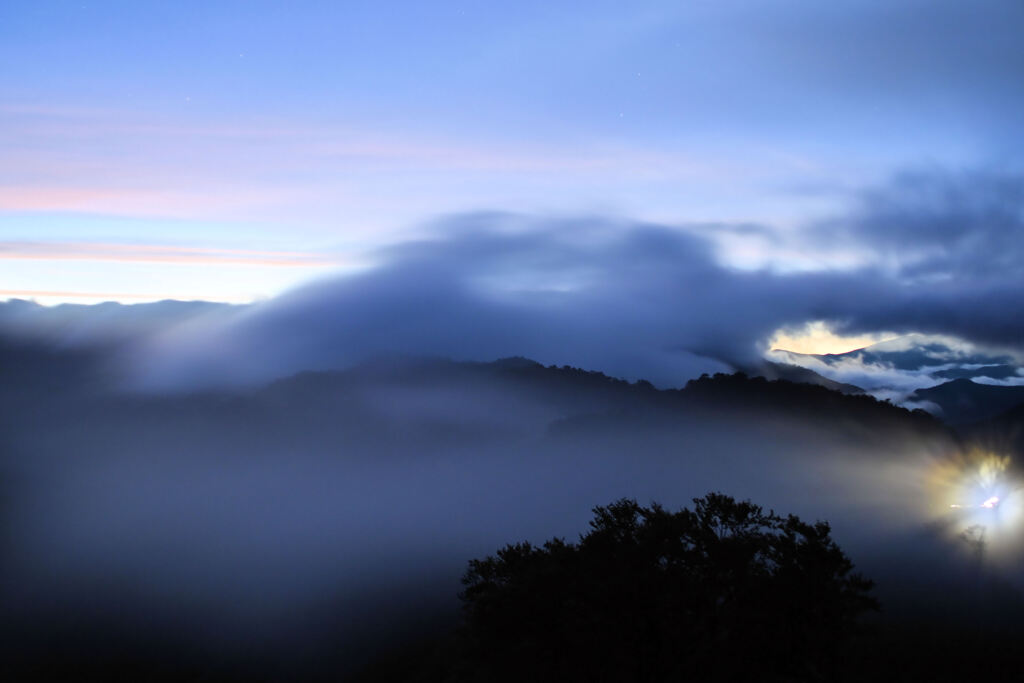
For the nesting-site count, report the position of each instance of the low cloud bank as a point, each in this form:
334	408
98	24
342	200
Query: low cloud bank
643	300
630	299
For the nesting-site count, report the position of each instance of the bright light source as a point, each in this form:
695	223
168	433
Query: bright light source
979	490
991	503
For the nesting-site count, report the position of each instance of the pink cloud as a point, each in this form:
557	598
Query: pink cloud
147	253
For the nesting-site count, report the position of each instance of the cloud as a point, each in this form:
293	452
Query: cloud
945	249
934	225
542	291
879	378
628	298
155	253
631	299
129	163
1002	382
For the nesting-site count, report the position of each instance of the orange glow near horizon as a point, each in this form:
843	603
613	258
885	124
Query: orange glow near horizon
817	338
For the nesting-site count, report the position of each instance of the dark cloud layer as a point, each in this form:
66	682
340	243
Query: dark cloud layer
951	247
641	300
634	300
945	226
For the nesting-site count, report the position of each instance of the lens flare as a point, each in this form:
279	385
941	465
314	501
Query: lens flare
982	497
992	502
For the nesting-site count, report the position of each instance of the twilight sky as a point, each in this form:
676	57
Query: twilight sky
233	150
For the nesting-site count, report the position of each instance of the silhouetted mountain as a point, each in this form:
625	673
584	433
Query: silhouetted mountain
104	323
569	395
916	352
794	373
403	396
963	401
896	368
810	401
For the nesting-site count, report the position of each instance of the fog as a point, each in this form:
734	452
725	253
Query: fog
329	515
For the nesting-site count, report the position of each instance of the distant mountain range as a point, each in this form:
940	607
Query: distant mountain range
109	322
771	370
912	372
956	381
938	358
72	346
432	394
963	401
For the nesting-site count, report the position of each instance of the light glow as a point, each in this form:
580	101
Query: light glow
982	498
818	338
992	502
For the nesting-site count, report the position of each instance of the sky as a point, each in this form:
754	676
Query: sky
233	151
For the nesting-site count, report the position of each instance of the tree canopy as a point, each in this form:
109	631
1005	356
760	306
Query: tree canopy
725	591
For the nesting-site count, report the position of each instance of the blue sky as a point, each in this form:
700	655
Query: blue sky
231	150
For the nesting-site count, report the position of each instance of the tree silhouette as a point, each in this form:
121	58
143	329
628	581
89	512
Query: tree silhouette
725	591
